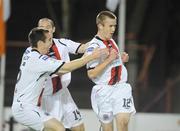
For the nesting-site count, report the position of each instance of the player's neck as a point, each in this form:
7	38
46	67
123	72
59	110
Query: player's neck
38	50
101	36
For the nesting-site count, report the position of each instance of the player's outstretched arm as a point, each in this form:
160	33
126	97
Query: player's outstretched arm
78	63
83	48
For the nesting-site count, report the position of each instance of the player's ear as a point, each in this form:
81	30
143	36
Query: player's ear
100	26
54	28
39	44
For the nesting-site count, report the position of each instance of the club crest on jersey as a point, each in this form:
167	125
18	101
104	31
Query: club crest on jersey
105	117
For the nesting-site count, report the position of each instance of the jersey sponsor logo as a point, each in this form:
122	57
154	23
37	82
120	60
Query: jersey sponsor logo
90	49
95	44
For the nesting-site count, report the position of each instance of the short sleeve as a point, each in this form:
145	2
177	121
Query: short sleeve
89	50
45	63
71	45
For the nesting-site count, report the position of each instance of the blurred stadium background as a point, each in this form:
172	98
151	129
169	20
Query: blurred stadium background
152	39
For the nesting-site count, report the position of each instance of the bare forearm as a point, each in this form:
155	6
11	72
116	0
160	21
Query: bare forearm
93	73
82	48
74	64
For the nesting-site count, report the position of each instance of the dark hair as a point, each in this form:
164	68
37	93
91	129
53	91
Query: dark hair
35	35
103	15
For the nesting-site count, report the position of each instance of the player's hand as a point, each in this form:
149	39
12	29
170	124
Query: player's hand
101	53
113	54
124	57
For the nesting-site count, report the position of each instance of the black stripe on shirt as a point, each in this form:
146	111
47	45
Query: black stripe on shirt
41	76
90	68
37	113
78	48
57	68
97	37
35	50
62	43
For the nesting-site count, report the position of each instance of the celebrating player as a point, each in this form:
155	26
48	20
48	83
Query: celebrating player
57	99
35	68
111	97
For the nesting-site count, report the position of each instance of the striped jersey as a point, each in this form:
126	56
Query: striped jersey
115	72
60	50
34	70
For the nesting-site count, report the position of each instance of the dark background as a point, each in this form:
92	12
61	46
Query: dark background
160	28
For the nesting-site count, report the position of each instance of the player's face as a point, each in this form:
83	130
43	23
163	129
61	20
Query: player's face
47	44
47	25
108	28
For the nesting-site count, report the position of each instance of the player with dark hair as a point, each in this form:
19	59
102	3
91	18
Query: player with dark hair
35	69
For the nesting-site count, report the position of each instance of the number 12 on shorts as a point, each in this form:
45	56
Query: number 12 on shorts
126	103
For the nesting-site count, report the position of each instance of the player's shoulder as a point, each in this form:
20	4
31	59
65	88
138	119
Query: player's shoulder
44	57
60	41
28	50
32	55
94	43
31	52
63	41
35	54
27	54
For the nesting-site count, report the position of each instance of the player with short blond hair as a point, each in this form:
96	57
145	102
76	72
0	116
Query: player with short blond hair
111	97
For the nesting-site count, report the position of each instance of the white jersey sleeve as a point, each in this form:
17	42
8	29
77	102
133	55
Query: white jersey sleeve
44	63
71	45
34	71
89	50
